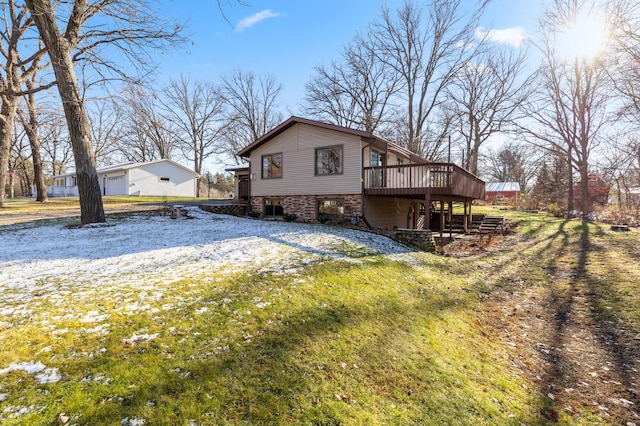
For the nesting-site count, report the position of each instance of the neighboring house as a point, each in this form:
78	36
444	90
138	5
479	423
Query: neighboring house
320	172
162	178
628	197
503	192
598	189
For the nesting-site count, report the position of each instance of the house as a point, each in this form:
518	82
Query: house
629	197
323	172
598	189
161	178
503	192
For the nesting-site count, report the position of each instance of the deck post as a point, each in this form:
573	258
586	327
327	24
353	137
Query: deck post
426	223
450	220
441	219
465	218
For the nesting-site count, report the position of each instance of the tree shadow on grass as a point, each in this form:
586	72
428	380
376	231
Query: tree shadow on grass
561	275
299	367
581	287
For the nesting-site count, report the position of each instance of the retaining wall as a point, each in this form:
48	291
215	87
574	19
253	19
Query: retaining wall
230	209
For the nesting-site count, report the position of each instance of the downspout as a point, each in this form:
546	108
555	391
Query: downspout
364	219
248	208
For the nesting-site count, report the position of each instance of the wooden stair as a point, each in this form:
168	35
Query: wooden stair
492	224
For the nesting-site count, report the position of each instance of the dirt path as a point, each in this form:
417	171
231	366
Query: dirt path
565	310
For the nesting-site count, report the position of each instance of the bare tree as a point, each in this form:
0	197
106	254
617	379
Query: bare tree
19	167
355	92
620	165
251	104
29	120
54	137
626	64
92	29
512	162
569	108
146	135
552	181
22	59
106	131
195	109
485	95
426	53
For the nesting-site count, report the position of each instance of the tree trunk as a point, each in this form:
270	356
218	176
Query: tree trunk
8	115
585	196
12	182
91	209
38	169
570	201
5	146
31	127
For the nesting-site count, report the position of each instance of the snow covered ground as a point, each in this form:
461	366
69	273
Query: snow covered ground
149	252
65	281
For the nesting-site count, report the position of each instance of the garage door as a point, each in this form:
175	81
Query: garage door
116	185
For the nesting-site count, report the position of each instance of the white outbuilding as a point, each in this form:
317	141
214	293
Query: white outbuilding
159	178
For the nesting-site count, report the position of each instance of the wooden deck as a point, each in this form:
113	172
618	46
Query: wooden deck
434	181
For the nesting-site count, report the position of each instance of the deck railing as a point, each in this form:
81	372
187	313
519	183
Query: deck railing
437	178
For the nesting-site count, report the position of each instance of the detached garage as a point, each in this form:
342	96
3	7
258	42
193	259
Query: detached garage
502	192
160	178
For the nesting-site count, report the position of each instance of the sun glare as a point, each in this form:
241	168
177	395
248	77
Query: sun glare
585	39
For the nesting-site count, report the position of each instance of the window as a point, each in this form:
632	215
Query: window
165	179
329	160
273	207
377	158
400	162
377	177
272	166
329	209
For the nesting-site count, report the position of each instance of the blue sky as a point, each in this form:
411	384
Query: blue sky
287	38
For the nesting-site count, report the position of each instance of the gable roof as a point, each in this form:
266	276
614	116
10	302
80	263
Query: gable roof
293	120
131	165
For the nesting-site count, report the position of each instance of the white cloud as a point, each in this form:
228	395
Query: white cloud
511	36
252	20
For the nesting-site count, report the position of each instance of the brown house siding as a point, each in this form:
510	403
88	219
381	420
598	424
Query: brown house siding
298	145
305	206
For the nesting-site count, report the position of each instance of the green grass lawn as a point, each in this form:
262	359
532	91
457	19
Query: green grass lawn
372	341
29	205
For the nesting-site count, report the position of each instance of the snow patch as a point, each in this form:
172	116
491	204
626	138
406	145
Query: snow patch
139	338
29	367
47	375
50	375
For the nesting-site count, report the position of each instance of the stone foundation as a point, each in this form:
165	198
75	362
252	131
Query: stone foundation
306	206
420	238
230	209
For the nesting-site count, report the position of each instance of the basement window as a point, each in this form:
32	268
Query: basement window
330	209
273	207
